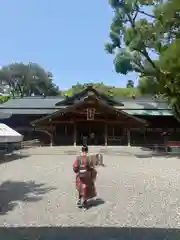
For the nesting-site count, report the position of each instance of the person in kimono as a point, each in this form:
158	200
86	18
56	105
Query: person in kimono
85	177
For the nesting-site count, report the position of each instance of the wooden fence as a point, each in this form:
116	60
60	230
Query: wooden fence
30	144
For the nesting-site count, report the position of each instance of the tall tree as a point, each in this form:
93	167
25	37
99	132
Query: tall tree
27	79
130	84
112	91
145	39
149	85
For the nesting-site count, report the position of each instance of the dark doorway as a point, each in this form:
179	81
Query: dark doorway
63	135
92	131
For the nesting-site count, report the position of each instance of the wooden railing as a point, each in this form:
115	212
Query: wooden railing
30	143
173	144
117	140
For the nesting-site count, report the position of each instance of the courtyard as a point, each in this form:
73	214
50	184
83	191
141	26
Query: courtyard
133	192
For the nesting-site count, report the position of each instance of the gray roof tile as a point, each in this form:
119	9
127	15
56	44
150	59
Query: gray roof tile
31	102
29	111
145	105
48	105
5	115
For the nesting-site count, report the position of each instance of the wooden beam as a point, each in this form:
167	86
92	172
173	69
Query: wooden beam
99	119
68	122
118	121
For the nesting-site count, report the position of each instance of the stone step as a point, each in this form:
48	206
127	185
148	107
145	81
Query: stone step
70	150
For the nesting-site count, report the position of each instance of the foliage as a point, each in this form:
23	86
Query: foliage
3	99
113	91
149	85
130	84
108	90
145	38
27	79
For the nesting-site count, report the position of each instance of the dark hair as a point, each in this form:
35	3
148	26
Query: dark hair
84	149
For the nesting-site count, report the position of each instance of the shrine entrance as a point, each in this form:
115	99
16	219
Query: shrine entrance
93	131
90	118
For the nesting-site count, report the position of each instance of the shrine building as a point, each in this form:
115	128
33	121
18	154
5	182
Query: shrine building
133	121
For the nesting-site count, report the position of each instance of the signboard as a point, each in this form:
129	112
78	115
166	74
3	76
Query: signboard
90	113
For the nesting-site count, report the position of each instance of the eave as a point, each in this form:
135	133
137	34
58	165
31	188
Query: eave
80	103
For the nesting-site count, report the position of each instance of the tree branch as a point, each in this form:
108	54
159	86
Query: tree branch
146	55
143	52
135	16
142	12
146	14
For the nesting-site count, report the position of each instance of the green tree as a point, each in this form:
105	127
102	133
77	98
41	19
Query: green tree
130	84
112	91
149	85
26	80
140	27
3	99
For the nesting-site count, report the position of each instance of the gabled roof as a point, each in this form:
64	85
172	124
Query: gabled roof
48	105
81	103
85	93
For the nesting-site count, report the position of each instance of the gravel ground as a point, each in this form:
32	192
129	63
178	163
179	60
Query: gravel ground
133	192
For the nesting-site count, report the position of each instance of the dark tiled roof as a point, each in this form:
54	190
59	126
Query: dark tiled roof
5	115
89	90
144	98
144	105
27	111
48	105
32	102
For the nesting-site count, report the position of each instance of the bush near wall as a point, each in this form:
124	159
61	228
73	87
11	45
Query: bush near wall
4	99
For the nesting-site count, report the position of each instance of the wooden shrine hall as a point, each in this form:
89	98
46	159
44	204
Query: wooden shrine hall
102	119
91	115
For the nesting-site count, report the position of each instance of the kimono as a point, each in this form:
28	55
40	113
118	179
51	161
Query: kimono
86	186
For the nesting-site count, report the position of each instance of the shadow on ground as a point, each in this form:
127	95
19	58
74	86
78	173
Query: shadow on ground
12	157
11	192
81	233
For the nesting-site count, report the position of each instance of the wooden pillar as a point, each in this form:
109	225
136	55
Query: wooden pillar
144	133
129	137
65	130
51	142
51	135
105	134
75	134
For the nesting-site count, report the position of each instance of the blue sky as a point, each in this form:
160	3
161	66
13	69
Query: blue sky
64	37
